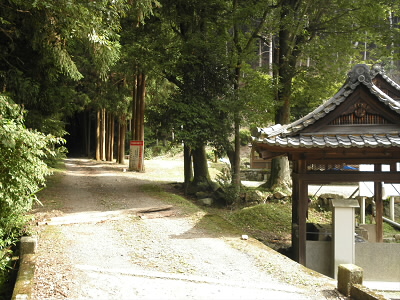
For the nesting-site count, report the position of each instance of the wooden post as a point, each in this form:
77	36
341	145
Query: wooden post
302	211
299	212
295	204
379	211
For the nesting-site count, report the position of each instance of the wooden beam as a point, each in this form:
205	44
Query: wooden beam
265	154
329	177
352	161
332	153
379	211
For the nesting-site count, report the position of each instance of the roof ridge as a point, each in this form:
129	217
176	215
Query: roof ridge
360	74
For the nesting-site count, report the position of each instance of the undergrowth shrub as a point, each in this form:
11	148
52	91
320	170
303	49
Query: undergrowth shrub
230	192
22	174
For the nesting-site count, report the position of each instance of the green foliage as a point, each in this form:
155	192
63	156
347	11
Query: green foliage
22	172
309	93
245	137
6	268
256	97
49	50
269	217
230	192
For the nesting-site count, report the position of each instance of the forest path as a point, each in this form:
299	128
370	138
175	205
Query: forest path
113	253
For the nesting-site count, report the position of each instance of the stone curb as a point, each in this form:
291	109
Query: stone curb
25	278
350	278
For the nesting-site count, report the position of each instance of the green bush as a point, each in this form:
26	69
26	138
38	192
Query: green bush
245	137
22	174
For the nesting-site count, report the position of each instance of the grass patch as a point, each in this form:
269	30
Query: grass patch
389	231
270	223
158	192
210	219
47	197
218	225
56	174
269	217
319	217
8	261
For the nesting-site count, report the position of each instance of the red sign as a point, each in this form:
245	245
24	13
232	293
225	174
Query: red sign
136	156
137	143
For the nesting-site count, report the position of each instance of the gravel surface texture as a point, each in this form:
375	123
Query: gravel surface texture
92	245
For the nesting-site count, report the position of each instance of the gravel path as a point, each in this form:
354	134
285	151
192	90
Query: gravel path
163	255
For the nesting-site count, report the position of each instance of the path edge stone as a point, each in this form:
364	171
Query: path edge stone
24	283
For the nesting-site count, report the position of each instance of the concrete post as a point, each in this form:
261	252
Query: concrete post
348	275
343	232
362	211
392	208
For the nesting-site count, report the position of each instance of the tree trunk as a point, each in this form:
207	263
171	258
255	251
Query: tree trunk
188	170
236	154
88	133
142	95
138	113
98	135
112	133
200	165
103	134
119	143
134	97
236	157
280	174
139	107
121	140
108	137
285	59
235	161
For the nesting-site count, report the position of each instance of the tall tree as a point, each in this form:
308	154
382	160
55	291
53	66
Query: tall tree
199	52
248	21
41	46
196	31
327	34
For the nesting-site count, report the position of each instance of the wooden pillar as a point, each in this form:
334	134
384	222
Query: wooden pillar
295	220
299	212
378	206
302	211
379	211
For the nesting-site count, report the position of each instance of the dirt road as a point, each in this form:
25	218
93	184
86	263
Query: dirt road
96	246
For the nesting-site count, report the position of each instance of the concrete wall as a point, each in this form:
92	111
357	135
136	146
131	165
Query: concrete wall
371	229
319	257
380	261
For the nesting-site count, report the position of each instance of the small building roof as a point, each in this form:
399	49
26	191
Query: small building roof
359	115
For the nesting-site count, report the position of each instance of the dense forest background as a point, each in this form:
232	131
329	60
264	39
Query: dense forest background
85	77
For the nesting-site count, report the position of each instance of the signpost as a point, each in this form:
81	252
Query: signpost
136	157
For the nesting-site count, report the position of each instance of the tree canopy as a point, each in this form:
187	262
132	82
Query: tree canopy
205	69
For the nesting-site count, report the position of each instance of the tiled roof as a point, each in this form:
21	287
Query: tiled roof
290	135
335	141
377	69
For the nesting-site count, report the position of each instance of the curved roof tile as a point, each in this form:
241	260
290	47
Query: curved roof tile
288	135
335	141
